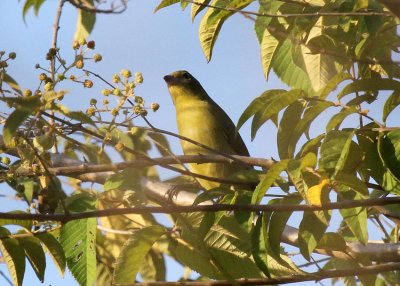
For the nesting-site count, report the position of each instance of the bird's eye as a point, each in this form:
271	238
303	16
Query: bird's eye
186	75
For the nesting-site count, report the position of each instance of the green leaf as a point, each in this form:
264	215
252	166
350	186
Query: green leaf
355	218
13	122
262	23
290	118
311	231
277	224
35	254
287	70
54	249
213	20
153	267
391	103
78	239
333	84
370	84
258	242
372	165
165	3
303	125
75	115
311	146
335	150
338	118
4	77
25	106
36	4
184	254
274	106
341	163
259	104
332	242
184	4
269	46
389	151
85	23
134	252
320	67
196	9
352	182
272	174
128	179
13	255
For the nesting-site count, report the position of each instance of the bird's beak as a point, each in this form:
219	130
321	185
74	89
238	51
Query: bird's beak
169	79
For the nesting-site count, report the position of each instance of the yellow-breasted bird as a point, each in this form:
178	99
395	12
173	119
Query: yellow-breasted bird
202	120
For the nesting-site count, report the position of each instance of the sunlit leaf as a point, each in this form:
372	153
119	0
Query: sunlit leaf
134	252
311	231
314	193
285	68
196	9
78	239
213	20
371	84
165	3
10	81
258	104
320	67
304	124
259	239
335	150
13	122
272	174
277	224
269	45
389	151
54	249
338	118
352	182
333	84
391	103
84	24
13	255
290	118
35	254
332	242
355	218
276	105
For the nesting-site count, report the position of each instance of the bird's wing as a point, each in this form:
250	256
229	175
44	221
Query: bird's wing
230	133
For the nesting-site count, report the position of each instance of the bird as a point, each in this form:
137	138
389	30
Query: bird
202	120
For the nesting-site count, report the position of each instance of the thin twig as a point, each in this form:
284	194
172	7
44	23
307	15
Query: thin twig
91	9
200	208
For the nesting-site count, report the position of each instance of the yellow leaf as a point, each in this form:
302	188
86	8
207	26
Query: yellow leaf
314	193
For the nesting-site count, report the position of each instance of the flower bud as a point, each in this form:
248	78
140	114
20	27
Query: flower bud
91	45
154	106
97	58
12	55
88	83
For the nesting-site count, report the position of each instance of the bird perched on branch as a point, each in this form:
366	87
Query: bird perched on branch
202	120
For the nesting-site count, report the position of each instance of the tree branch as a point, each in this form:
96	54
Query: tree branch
316	276
293	15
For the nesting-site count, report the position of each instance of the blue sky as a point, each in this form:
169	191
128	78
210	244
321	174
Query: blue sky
154	44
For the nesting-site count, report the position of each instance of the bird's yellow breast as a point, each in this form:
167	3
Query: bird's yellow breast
198	121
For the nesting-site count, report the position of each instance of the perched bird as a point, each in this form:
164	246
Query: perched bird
202	120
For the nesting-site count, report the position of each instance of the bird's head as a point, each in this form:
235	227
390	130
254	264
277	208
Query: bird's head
183	84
